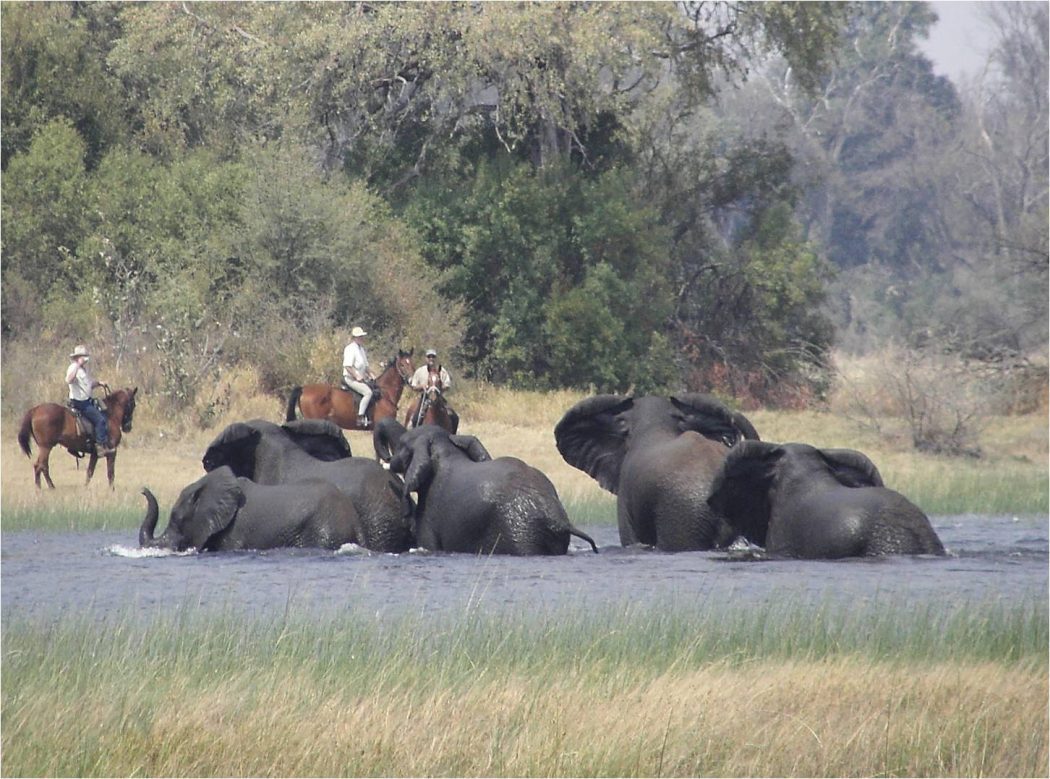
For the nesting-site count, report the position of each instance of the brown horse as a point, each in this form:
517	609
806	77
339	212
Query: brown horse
323	401
51	424
430	408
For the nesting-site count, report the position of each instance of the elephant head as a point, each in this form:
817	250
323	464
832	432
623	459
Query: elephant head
658	456
418	448
742	490
248	446
800	501
204	508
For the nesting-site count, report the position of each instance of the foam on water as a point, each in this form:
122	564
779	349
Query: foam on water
119	550
352	549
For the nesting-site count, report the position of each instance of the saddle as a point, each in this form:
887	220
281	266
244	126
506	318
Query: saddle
357	395
85	427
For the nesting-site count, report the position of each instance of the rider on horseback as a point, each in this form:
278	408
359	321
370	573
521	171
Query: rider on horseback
429	379
357	375
81	384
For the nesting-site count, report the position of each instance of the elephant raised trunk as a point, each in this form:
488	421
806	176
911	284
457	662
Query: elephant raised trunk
149	524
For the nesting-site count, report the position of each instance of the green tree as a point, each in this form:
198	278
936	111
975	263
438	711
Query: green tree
54	57
524	242
45	215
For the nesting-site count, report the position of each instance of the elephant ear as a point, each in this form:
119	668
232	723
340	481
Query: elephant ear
216	506
320	438
592	436
740	489
472	446
234	447
712	419
852	468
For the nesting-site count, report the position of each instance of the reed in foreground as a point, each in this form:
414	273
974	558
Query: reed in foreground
786	692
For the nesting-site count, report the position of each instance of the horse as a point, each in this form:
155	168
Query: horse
430	408
323	401
51	424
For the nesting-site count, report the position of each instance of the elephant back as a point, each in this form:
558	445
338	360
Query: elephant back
710	417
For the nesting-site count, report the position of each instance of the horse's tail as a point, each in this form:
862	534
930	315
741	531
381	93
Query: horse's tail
293	399
26	432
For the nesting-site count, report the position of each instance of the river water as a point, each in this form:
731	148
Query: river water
104	576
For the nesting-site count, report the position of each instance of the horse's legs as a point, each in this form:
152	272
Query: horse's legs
92	462
42	466
111	461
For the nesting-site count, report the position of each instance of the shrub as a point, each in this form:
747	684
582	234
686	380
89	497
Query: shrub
941	398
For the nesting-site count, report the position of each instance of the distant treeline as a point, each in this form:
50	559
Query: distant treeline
599	195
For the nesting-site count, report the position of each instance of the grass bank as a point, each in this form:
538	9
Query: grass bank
778	691
164	454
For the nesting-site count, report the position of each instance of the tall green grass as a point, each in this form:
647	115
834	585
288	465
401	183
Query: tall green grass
940	486
570	693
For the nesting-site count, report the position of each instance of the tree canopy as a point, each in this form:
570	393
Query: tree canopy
610	195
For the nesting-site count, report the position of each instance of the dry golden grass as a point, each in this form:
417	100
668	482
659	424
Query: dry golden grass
838	717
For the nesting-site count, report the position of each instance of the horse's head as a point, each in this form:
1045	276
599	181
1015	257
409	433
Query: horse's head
403	365
125	399
395	376
434	377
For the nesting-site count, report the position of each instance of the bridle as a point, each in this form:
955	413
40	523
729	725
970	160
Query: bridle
403	372
129	411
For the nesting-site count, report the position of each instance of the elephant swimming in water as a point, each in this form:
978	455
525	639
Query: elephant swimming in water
658	455
799	501
220	512
268	453
469	502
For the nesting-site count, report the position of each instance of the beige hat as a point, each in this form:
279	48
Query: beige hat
357	332
79	351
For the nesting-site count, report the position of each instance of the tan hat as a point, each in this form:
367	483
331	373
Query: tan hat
357	332
79	351
432	353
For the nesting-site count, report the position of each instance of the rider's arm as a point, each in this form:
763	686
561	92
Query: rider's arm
71	374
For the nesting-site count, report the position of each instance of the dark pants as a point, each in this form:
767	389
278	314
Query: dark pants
97	418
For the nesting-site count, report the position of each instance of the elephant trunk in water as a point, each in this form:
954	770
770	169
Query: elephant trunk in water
149	524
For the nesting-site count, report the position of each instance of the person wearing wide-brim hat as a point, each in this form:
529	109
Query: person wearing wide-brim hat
81	384
357	374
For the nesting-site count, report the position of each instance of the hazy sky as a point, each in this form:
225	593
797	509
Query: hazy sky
960	40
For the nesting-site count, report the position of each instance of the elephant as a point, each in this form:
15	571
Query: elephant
221	512
268	453
469	502
799	501
385	437
658	455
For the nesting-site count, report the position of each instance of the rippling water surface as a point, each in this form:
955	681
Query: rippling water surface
104	574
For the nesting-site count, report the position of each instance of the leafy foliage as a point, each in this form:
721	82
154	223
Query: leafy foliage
556	194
